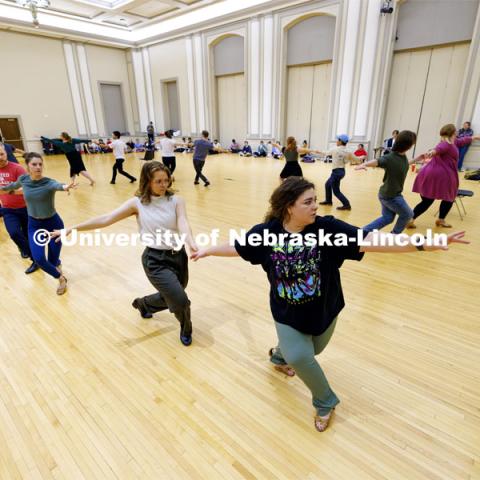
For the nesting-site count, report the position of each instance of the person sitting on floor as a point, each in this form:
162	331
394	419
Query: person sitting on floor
246	150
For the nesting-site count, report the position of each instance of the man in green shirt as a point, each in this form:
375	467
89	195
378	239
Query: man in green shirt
390	195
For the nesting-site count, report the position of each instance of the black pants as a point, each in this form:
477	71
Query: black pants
170	162
118	167
426	203
198	165
168	273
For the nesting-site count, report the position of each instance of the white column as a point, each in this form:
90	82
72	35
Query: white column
74	88
347	67
139	74
87	90
254	77
268	84
365	89
199	82
191	85
148	85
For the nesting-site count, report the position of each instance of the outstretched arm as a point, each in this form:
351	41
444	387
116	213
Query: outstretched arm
225	250
11	187
365	165
126	210
456	237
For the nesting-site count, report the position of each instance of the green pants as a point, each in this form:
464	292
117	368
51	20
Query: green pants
298	350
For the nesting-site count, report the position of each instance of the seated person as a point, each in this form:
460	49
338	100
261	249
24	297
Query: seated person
104	148
304	145
189	145
92	147
130	145
217	148
182	147
262	150
139	146
246	150
360	155
276	151
235	146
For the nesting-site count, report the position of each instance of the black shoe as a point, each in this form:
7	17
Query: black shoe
344	207
207	184
196	183
186	339
24	255
112	183
325	203
32	268
137	303
133	180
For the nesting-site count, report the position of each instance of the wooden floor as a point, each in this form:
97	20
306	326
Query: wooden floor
89	390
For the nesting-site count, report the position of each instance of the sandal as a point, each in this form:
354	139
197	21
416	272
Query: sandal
321	422
62	287
442	223
285	369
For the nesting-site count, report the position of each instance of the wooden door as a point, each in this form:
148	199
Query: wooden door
10	130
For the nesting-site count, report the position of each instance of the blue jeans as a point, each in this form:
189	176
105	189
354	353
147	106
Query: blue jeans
391	207
462	151
333	183
16	223
49	264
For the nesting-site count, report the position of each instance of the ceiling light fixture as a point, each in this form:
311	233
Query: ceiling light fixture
33	6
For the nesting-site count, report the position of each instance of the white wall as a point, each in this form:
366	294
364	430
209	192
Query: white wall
168	61
109	65
34	85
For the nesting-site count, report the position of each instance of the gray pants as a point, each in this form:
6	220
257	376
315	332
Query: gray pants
298	350
168	273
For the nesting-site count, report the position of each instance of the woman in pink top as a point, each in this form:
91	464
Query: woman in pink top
438	180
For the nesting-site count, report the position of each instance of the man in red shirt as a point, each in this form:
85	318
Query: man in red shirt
14	209
360	154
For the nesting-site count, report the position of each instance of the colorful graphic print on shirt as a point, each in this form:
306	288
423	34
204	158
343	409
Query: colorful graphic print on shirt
297	273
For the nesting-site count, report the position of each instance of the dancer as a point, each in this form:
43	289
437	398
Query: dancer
306	293
340	157
159	213
67	146
200	152
292	168
39	193
438	179
13	208
119	148
390	195
168	146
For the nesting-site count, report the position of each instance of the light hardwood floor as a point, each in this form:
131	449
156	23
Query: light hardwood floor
89	390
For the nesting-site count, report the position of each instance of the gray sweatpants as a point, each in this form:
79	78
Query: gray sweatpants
168	273
298	350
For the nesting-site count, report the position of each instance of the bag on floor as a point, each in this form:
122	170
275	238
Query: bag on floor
473	175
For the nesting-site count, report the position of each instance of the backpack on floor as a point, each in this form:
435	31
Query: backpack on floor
473	175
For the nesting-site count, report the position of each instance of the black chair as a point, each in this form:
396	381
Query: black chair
462	194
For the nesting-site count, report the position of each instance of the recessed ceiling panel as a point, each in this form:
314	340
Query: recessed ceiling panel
151	9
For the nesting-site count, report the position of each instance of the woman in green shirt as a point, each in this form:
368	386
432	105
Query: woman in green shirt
39	193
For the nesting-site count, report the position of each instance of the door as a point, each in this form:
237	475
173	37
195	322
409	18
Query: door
308	97
424	92
10	131
114	113
232	108
173	106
